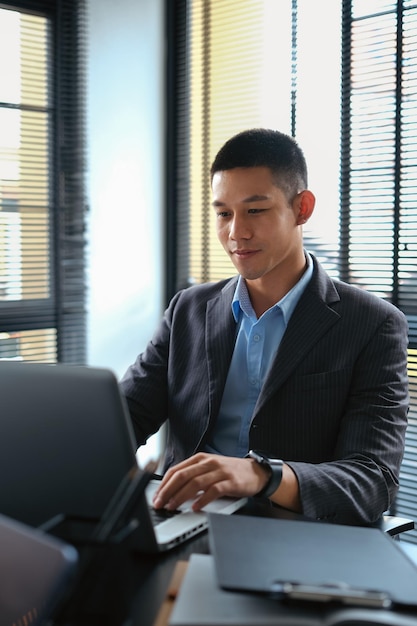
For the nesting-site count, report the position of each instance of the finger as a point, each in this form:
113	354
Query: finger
200	457
215	491
204	488
181	485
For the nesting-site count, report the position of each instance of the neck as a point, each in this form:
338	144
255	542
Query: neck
266	291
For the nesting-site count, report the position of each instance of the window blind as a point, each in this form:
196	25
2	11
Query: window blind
379	182
225	78
222	87
42	205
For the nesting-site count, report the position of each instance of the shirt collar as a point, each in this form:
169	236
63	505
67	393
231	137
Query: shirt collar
287	304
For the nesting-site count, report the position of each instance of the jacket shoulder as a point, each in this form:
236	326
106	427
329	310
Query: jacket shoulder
362	297
339	295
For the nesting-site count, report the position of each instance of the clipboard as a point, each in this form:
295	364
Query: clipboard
200	601
298	561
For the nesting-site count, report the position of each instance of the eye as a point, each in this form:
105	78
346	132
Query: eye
256	211
222	214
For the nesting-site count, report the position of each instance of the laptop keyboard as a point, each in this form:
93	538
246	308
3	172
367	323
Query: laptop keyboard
161	515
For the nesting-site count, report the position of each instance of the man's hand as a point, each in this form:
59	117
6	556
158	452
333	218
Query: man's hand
205	477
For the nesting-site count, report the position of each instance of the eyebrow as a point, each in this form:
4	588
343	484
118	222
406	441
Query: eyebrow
254	198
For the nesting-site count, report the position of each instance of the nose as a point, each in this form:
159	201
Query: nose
239	228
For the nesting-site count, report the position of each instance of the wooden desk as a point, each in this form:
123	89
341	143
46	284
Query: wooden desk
122	588
117	587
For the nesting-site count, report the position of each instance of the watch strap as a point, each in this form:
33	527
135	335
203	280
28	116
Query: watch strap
275	468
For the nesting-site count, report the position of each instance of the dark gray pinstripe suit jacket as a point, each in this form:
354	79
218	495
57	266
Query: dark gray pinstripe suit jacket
334	404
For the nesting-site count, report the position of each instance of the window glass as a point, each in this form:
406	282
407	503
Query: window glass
25	269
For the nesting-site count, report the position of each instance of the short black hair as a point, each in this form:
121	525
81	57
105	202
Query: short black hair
263	147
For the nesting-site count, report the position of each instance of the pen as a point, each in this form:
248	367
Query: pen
330	592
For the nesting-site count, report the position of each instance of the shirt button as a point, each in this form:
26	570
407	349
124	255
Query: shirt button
256	337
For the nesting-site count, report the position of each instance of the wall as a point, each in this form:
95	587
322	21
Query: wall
125	162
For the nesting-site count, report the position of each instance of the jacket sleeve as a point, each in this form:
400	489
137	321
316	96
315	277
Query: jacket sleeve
360	484
144	385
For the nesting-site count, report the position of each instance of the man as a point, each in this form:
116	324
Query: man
305	374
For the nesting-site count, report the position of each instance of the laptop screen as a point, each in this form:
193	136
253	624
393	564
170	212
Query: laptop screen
65	441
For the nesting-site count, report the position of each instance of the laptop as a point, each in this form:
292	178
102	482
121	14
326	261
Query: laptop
65	442
130	516
36	573
68	451
312	561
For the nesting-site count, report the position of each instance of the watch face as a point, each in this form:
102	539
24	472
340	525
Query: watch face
275	470
262	457
258	456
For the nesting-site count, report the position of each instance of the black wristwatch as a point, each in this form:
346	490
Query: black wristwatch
275	468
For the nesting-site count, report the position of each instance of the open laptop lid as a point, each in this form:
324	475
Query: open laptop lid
315	561
36	571
65	441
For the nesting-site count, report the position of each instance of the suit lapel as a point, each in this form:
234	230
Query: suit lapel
310	320
220	341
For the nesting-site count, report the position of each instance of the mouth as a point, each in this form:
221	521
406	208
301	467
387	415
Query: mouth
243	254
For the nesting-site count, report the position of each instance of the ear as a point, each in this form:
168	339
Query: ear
305	205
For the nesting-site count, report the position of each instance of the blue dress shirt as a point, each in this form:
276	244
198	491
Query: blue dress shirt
256	345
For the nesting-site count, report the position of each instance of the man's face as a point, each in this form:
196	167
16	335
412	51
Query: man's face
256	224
